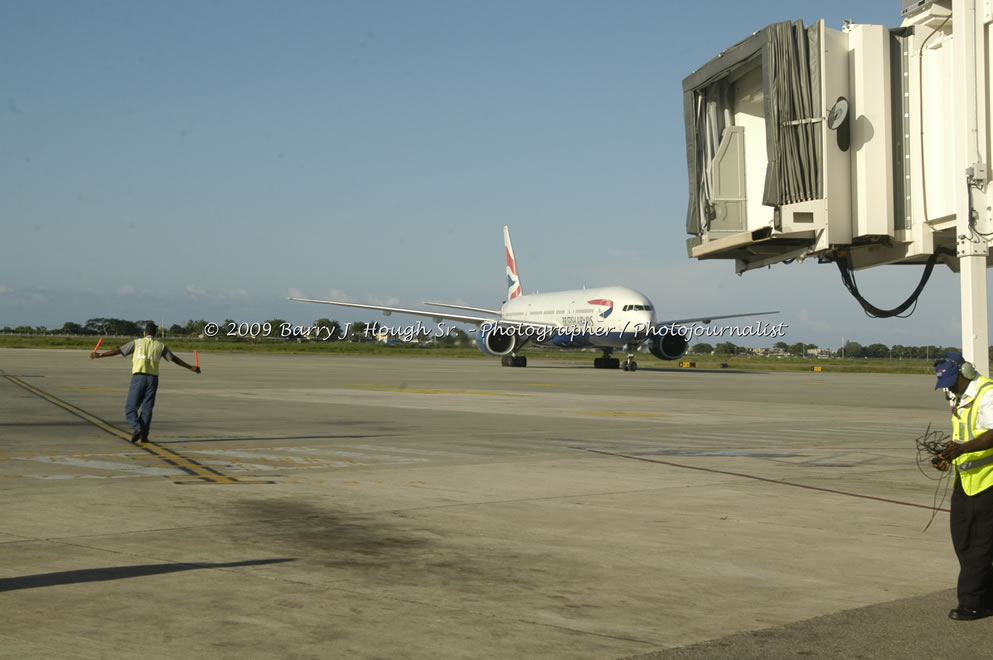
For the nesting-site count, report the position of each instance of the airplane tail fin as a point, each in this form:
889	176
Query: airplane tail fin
513	278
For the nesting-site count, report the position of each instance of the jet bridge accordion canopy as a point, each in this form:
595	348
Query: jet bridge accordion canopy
787	57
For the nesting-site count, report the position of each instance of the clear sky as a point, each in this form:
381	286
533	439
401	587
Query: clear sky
185	160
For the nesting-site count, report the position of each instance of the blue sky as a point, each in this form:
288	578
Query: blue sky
207	160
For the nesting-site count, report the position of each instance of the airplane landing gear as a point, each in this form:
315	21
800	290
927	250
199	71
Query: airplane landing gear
607	362
630	364
514	361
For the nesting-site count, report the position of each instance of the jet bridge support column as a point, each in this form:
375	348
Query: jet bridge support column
971	163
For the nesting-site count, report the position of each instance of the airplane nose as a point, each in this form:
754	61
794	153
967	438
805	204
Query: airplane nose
644	325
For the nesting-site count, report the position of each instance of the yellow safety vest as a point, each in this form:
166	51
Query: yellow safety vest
975	469
146	356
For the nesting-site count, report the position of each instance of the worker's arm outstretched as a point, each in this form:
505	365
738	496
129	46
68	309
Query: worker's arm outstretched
175	358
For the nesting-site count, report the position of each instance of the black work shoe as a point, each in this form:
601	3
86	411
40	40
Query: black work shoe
965	614
136	436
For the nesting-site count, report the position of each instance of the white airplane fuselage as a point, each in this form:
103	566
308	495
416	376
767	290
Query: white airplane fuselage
606	317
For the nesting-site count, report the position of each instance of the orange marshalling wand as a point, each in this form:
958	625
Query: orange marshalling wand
97	347
196	359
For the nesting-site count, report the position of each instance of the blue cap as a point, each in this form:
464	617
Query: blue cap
947	370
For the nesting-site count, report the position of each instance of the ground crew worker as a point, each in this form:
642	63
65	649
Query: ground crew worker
145	356
971	454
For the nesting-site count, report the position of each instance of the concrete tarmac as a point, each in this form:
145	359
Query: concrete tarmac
377	507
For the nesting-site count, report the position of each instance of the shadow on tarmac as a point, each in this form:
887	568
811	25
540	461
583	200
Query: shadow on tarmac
916	627
117	573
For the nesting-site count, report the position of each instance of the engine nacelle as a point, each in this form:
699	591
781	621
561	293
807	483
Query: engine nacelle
498	340
669	346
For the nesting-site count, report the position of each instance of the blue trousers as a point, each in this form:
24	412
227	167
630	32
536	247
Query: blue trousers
141	395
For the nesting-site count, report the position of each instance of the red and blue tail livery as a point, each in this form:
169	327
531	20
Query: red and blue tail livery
513	279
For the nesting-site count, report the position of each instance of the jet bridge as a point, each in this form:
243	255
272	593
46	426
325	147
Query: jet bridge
790	150
860	146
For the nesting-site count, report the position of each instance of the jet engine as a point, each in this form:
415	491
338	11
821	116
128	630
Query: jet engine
668	346
498	340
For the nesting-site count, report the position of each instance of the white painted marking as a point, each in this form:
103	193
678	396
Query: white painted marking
106	465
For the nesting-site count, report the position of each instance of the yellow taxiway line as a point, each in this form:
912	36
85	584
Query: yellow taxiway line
204	474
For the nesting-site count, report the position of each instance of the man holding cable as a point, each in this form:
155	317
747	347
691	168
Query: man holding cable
971	454
145	356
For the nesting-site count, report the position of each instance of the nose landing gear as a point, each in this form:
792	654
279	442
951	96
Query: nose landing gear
630	364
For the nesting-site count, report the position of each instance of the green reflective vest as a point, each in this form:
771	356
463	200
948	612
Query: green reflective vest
975	469
146	356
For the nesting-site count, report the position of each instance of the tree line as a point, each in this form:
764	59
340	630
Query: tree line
358	332
851	349
108	326
228	329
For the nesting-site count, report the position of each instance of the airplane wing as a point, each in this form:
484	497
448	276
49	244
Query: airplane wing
436	316
466	307
708	319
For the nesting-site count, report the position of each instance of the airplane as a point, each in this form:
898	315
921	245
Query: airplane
606	318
